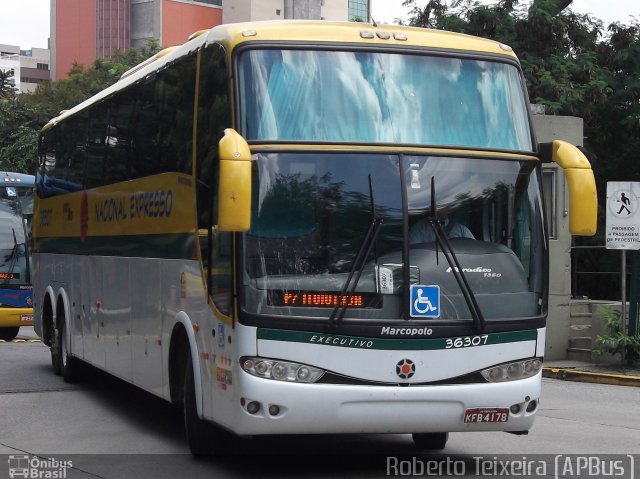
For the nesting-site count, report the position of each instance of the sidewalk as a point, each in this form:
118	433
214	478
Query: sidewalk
582	371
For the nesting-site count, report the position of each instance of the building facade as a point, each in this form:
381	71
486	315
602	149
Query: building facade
83	30
29	67
330	10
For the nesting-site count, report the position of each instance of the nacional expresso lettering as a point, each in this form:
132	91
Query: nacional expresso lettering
152	204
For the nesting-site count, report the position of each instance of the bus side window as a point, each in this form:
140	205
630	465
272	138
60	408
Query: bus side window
118	140
174	96
96	146
143	136
213	118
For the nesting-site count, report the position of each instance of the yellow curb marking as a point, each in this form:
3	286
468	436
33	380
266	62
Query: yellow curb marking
591	377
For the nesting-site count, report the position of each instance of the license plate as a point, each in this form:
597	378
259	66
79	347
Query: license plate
480	415
26	317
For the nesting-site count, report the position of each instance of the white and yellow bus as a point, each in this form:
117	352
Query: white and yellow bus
252	225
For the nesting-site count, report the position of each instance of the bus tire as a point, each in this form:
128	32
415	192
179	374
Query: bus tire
200	433
430	441
56	362
9	334
69	366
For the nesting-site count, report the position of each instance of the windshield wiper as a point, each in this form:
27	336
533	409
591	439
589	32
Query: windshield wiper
454	264
367	245
13	258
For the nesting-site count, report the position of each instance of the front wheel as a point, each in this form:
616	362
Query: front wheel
9	334
430	441
200	434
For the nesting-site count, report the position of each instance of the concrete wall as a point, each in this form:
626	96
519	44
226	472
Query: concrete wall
181	19
146	20
549	128
256	10
336	10
236	11
74	37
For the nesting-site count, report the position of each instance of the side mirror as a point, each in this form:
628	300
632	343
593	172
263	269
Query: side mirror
234	189
583	199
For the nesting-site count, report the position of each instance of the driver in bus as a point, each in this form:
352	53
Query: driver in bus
422	230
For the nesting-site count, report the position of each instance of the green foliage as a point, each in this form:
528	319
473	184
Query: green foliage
23	115
616	341
18	137
7	90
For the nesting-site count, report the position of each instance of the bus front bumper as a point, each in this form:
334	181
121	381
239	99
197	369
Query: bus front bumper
16	317
335	409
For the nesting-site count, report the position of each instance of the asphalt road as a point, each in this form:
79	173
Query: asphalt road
109	429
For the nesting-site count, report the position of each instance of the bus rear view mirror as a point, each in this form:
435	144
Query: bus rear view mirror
234	189
583	199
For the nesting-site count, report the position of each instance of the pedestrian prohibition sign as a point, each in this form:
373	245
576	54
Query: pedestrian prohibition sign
623	218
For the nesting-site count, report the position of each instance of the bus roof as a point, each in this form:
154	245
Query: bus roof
305	32
8	178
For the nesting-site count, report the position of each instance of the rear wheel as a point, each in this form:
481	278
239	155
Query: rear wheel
63	363
9	334
430	441
54	341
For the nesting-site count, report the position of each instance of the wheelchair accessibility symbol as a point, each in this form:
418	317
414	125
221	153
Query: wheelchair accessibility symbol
425	301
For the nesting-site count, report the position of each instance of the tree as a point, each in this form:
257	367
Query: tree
18	137
7	88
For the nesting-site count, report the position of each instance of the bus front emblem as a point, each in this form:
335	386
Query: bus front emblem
405	368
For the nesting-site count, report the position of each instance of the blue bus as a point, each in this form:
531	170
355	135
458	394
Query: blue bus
16	211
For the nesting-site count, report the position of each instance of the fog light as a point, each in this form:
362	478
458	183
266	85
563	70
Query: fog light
253	407
274	410
515	409
532	406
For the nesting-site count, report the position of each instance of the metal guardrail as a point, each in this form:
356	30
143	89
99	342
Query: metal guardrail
592	254
604	278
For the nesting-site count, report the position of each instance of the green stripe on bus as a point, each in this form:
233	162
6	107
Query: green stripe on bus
410	344
166	246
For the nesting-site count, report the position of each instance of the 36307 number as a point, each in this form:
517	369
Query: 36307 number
466	341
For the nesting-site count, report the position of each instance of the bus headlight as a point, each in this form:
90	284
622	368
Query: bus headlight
512	371
281	370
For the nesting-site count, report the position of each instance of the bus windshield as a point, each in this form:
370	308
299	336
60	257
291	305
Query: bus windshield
311	211
13	245
376	97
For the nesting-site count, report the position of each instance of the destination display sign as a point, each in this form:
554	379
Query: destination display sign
323	299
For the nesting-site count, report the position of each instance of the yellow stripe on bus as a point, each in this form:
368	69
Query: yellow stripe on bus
160	204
